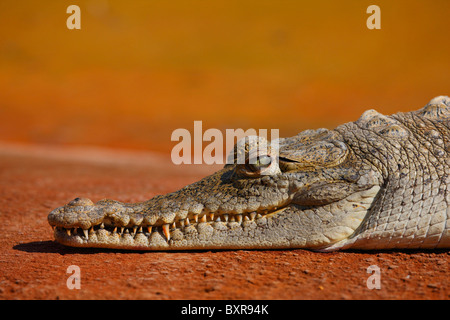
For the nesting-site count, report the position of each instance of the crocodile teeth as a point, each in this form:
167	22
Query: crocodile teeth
166	231
203	217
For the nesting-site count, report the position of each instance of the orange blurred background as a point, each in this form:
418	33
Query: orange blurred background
137	70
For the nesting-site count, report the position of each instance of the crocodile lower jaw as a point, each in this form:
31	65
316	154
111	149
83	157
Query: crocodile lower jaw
108	235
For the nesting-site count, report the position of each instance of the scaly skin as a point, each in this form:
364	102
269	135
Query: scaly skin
381	182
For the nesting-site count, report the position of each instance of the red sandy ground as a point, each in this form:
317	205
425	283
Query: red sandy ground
33	181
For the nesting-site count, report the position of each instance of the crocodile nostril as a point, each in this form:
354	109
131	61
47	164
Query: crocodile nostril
81	202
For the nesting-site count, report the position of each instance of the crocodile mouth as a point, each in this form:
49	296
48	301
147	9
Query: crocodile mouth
107	233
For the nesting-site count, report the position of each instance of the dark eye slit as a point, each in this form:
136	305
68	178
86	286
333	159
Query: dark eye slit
286	160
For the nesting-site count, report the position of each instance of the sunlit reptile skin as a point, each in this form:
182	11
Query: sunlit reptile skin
381	182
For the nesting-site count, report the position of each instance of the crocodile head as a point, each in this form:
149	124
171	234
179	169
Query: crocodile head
312	193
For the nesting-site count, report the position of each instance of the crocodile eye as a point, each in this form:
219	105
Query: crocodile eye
258	164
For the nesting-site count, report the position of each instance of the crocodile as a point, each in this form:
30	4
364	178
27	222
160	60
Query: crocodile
381	182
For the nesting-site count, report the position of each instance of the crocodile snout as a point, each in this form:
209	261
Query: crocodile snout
80	212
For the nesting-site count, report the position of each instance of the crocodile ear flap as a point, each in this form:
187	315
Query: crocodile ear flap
312	149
